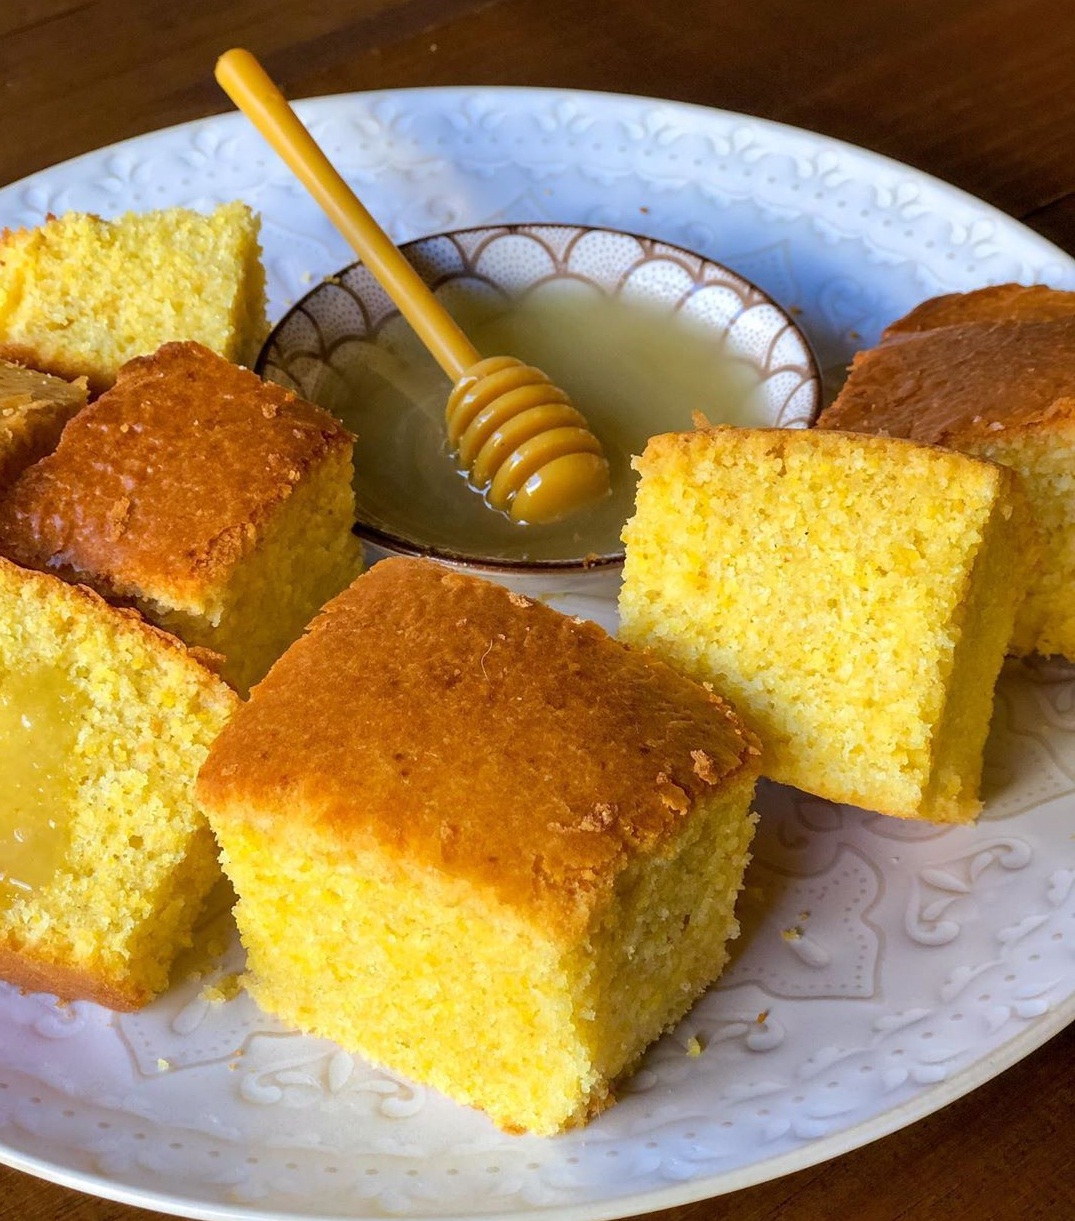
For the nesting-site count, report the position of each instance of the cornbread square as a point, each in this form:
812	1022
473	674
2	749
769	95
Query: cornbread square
104	857
34	407
218	504
989	373
481	843
852	595
80	295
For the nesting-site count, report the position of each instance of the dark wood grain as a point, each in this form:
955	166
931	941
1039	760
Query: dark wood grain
975	91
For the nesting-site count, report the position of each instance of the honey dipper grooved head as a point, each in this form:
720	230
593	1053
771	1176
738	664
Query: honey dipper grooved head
523	444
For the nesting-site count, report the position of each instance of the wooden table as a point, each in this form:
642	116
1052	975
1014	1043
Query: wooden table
977	92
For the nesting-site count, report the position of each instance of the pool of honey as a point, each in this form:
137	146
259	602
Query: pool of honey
39	719
632	369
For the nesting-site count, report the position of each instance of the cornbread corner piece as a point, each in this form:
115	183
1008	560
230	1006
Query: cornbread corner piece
481	843
852	595
80	295
105	859
34	407
991	374
218	504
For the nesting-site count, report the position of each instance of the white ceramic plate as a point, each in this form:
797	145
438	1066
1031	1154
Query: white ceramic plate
886	968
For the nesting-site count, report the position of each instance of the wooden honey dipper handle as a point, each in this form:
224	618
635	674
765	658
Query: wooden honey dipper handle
249	86
527	451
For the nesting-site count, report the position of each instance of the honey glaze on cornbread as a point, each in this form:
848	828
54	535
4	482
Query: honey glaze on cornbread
104	721
481	843
40	713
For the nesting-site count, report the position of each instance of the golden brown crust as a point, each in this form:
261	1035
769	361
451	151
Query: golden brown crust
961	382
997	303
34	408
66	983
68	370
159	487
20	380
459	727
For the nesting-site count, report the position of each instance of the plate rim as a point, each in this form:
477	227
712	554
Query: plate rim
789	130
824	1149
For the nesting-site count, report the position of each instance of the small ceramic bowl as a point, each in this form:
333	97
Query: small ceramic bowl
642	335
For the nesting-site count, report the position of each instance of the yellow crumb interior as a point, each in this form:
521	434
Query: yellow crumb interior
853	597
1046	621
118	877
82	295
441	982
304	555
982	628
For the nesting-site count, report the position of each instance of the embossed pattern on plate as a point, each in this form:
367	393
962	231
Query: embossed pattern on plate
884	968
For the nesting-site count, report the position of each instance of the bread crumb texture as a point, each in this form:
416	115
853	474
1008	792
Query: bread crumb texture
80	295
853	596
990	373
34	407
104	722
481	843
218	504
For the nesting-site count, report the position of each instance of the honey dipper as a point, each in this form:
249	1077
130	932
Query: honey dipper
523	445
